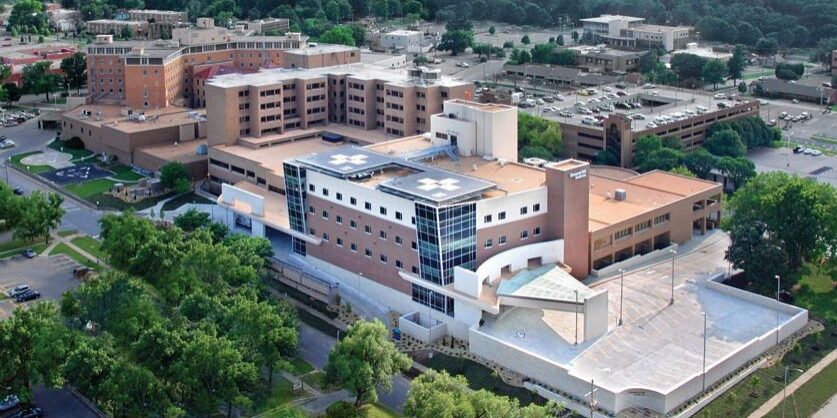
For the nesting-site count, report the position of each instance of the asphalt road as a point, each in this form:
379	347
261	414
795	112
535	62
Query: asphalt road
60	403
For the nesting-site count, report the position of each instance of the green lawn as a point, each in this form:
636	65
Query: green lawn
67	232
77	154
316	379
378	411
299	366
816	292
32	168
39	248
91	246
282	393
91	188
811	396
73	254
181	200
123	172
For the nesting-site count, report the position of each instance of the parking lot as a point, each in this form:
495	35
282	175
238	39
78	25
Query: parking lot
51	276
822	168
818	131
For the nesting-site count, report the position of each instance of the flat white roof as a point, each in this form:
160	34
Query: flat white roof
612	18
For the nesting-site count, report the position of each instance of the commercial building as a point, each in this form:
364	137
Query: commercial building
138	29
448	222
627	31
775	88
600	59
401	40
146	140
274	26
19	56
159	16
682	114
63	20
157	74
556	76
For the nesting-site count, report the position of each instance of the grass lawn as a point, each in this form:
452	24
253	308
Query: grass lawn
123	172
39	248
315	379
299	366
90	245
181	200
378	411
73	254
32	168
811	396
816	292
282	393
481	377
77	154
91	188
67	232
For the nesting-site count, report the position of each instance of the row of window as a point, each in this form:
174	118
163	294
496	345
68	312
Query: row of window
503	240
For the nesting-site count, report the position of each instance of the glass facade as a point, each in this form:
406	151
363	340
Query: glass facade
439	302
447	237
295	193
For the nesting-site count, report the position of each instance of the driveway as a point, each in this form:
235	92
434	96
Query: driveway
52	276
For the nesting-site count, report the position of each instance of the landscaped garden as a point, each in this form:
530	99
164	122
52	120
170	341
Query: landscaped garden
36	169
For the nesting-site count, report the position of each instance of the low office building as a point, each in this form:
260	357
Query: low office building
627	31
157	74
18	56
158	16
448	224
710	53
685	115
556	75
600	59
400	40
268	26
146	140
775	88
138	29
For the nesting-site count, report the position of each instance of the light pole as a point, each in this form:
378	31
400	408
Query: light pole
621	293
576	317
785	389
778	299
592	401
703	378
673	254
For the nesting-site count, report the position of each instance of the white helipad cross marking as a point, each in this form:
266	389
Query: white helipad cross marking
446	184
340	159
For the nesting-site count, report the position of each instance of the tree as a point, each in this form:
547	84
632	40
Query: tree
714	72
126	32
725	143
365	360
33	345
575	36
492	31
737	170
456	41
28	15
39	213
88	366
700	162
689	68
359	34
648	62
75	70
133	391
38	79
560	40
525	40
12	93
536	135
736	63
766	46
566	57
340	34
781	211
508	45
682	170
785	71
437	394
174	175
742	87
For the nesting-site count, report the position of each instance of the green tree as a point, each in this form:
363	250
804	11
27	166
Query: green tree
525	40
784	211
75	70
340	34
648	62
689	68
12	93
174	175
38	79
365	360
359	34
39	213
738	170
766	46
683	171
575	36
700	162
126	33
456	41
492	31
560	40
725	143
88	366
714	72
742	87
28	15
508	45
536	135
736	63
133	391
123	235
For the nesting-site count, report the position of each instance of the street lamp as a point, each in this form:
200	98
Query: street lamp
778	299
785	389
576	317
621	293
673	254
593	390
704	352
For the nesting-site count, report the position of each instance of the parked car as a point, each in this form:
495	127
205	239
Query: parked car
621	93
29	413
29	253
18	191
797	149
9	402
650	125
720	96
27	296
82	271
19	290
648	86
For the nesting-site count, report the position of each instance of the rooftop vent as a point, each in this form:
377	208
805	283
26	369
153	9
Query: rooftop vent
621	194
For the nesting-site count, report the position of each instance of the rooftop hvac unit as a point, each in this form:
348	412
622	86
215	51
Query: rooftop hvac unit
621	194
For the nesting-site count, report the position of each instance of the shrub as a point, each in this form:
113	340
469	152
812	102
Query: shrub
74	143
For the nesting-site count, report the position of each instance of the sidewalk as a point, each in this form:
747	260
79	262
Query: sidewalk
776	400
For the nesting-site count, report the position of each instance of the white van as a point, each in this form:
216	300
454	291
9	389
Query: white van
588	120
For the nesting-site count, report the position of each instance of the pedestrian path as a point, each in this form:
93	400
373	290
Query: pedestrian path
776	400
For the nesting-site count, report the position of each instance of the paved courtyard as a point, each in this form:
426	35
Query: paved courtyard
49	157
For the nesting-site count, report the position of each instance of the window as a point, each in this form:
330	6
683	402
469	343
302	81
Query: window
398	240
339	219
524	234
353	247
353	224
398	215
339	242
642	226
399	265
368	253
311	209
312	231
339	196
353	201
325	192
382	235
489	243
623	233
501	215
502	240
413	245
325	215
537	231
524	210
487	219
414	269
367	205
367	229
325	237
384	258
382	210
311	188
536	207
662	218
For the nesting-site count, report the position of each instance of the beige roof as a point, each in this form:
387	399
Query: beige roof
272	158
511	177
184	152
112	116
